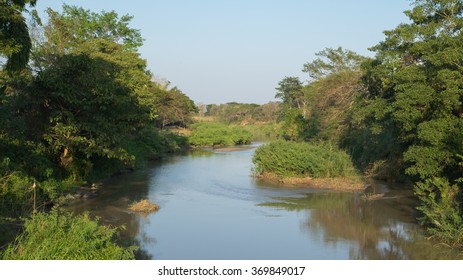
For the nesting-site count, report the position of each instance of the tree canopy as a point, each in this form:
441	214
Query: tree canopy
15	43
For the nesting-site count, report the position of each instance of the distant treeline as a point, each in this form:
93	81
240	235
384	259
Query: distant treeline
244	113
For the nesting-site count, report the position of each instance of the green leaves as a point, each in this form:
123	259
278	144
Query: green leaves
89	111
416	78
331	61
74	26
15	42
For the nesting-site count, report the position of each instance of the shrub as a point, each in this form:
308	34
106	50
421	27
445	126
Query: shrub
264	131
216	134
291	159
441	209
59	235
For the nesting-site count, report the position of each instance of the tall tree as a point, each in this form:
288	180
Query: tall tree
415	95
91	93
173	107
15	43
316	110
65	32
331	61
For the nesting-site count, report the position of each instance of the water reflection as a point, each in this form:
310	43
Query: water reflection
111	207
374	229
211	208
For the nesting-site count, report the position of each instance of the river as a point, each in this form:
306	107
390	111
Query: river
211	208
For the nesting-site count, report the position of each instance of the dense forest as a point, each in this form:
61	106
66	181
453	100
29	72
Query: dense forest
399	114
78	104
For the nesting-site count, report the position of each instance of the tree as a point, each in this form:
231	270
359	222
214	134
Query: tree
15	43
414	94
65	33
83	111
91	94
330	61
173	107
317	109
290	92
416	82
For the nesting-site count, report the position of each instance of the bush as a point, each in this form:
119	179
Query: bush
60	236
216	134
441	209
264	131
291	159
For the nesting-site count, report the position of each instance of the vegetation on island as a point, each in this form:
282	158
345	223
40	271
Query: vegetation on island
302	159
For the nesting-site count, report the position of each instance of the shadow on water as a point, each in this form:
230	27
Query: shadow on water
383	228
111	207
211	208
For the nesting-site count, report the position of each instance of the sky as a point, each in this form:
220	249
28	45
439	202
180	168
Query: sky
219	51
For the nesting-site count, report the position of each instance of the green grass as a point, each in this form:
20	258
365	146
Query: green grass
59	235
291	159
217	134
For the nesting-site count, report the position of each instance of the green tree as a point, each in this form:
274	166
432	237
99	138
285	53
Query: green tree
173	107
413	98
331	61
104	35
15	43
91	95
317	109
290	92
83	111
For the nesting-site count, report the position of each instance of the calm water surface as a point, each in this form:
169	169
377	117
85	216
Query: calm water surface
212	209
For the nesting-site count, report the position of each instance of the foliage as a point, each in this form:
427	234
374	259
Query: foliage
317	110
415	88
442	209
174	108
216	134
74	26
15	43
60	236
243	113
333	61
410	111
86	111
264	131
85	114
293	159
17	190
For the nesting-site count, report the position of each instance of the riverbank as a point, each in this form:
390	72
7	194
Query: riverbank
337	184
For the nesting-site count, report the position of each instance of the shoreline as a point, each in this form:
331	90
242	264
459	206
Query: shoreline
336	184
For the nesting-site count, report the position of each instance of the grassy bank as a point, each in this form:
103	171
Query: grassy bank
59	235
218	135
317	164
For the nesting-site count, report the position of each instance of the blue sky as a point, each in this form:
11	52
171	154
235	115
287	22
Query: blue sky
238	50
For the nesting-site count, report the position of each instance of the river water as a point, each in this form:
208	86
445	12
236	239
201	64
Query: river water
211	208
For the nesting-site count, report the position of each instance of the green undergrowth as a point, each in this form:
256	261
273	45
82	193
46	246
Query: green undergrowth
218	134
59	235
264	131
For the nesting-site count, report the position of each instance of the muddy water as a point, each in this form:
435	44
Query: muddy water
212	209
